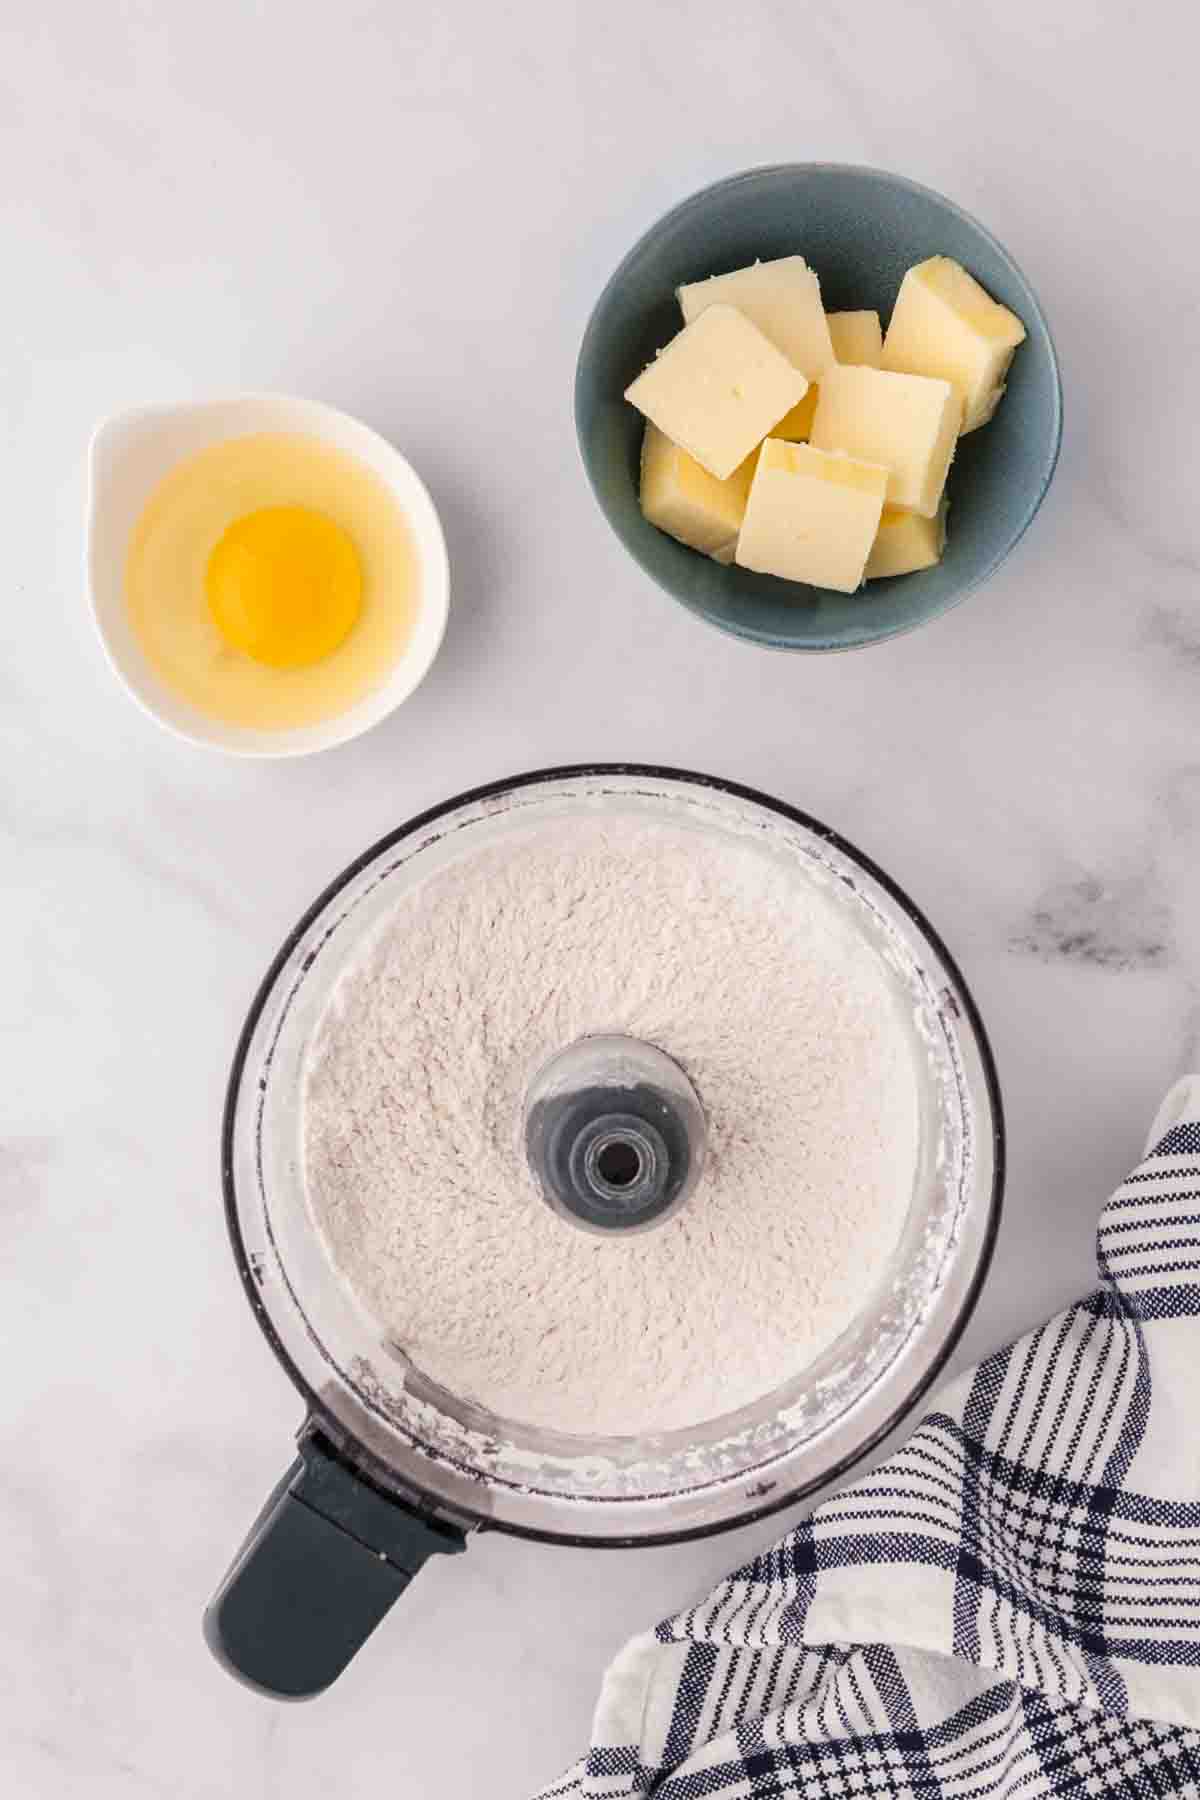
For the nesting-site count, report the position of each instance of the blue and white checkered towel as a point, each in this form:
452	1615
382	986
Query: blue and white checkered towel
1008	1608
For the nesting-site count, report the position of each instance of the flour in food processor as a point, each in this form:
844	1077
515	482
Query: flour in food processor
751	977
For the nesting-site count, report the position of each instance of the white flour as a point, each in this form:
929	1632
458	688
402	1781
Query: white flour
780	1015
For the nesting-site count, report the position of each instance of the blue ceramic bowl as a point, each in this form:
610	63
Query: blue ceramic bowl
860	229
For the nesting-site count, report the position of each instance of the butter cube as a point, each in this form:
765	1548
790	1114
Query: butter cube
944	324
796	425
909	423
906	542
811	516
782	297
717	389
856	337
687	502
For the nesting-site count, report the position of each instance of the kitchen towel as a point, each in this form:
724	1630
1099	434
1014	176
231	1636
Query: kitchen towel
1007	1608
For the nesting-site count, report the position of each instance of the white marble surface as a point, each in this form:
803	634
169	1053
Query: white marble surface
407	211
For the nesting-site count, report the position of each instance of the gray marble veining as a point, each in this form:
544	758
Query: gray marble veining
1122	924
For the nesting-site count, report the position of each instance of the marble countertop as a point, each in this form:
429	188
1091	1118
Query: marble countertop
407	212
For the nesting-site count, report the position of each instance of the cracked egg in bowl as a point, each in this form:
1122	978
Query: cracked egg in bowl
268	575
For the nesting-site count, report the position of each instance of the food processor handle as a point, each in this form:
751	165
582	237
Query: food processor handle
320	1567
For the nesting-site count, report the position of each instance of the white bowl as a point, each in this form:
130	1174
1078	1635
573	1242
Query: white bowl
129	456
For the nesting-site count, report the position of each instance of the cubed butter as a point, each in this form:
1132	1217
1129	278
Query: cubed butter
856	337
687	502
906	542
782	297
796	425
717	389
944	324
811	516
909	423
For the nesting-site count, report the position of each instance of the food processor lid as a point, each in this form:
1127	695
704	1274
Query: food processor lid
615	1137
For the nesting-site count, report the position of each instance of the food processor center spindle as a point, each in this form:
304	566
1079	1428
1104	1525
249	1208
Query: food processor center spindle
614	1134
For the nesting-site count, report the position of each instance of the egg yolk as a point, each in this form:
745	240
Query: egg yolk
284	585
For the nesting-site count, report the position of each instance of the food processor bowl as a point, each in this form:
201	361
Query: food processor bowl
391	1468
